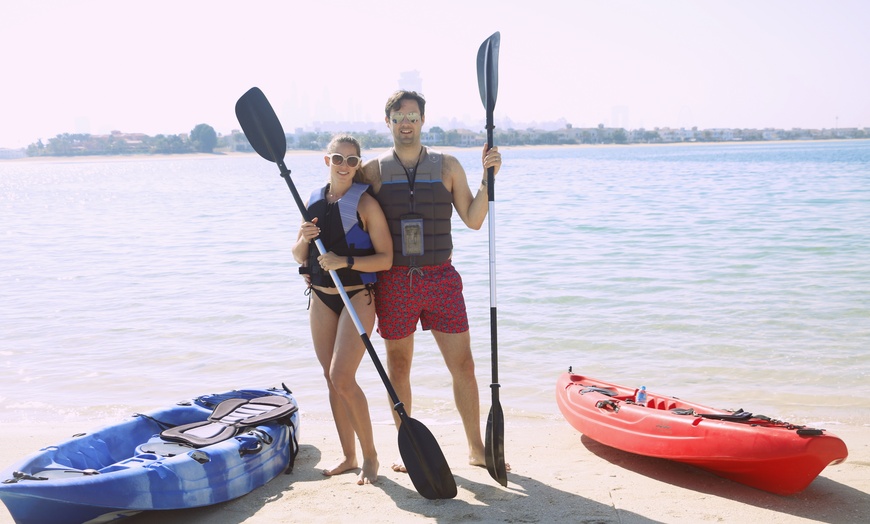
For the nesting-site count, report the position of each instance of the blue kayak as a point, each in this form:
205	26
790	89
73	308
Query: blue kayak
200	452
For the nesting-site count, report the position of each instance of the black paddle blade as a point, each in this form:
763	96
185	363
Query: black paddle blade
495	444
487	70
261	125
424	461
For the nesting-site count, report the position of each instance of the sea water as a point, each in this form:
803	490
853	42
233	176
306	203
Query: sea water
733	275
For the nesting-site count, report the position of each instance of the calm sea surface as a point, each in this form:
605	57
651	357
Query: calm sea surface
734	275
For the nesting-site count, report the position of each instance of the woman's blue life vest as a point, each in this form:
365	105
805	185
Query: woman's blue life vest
341	232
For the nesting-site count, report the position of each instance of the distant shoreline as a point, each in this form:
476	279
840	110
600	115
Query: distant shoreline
290	152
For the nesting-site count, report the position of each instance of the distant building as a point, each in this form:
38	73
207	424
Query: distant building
470	138
12	153
571	133
720	134
411	81
430	138
771	134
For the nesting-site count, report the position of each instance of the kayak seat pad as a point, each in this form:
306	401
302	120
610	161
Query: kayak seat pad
229	418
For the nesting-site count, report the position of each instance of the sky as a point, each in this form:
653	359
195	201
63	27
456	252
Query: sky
165	66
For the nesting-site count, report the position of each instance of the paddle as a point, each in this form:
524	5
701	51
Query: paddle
423	458
487	81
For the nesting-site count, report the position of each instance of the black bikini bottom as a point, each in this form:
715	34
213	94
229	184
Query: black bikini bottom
334	302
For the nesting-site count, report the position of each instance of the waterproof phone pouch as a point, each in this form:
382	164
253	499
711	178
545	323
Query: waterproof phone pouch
412	235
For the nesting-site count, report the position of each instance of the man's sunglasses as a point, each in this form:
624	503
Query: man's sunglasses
337	160
398	117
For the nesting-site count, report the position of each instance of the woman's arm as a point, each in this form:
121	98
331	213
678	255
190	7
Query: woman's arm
375	223
308	231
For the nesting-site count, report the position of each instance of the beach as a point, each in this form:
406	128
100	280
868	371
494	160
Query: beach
730	275
557	475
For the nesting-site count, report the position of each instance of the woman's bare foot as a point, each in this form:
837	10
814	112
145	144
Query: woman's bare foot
369	473
345	465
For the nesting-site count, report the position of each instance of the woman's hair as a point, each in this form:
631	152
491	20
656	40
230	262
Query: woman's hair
395	101
345	139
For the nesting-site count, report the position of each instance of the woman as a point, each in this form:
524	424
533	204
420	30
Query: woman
355	234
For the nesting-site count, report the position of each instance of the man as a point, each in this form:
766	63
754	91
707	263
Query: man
418	190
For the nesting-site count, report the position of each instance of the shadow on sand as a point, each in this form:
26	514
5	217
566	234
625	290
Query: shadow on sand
521	501
814	503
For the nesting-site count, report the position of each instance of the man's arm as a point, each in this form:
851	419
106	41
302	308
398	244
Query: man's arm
370	174
472	209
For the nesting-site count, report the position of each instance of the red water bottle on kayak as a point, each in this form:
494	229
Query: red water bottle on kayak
640	398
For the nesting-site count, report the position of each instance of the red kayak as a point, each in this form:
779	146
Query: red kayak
755	450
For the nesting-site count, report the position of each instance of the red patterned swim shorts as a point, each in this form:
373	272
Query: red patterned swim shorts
430	294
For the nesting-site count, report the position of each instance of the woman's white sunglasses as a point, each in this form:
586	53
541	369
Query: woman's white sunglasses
338	159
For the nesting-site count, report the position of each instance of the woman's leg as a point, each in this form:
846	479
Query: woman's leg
348	353
324	323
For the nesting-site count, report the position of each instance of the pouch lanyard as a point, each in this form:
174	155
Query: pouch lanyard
410	175
412	228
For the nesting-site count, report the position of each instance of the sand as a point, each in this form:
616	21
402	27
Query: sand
558	475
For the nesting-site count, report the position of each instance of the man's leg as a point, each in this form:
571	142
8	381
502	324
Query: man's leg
456	350
400	353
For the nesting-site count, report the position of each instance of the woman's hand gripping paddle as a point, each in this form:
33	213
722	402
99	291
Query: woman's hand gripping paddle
487	81
420	452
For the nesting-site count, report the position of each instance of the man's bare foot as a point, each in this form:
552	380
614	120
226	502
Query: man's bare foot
342	467
480	460
369	473
399	466
477	455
